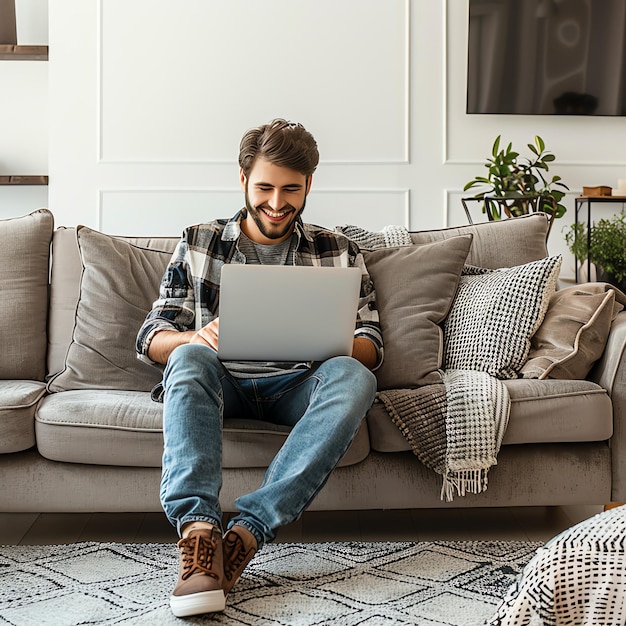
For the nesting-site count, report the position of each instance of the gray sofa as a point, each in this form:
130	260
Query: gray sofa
79	431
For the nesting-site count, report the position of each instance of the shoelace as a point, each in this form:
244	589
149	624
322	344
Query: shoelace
236	557
197	553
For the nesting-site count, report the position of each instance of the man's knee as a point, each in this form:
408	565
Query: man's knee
358	378
193	357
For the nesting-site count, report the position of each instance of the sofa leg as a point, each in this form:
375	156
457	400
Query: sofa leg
612	505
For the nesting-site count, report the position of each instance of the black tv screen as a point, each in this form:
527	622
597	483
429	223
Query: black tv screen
547	57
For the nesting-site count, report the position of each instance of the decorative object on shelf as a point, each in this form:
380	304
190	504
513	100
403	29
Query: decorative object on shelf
31	22
14	44
621	187
604	245
601	190
516	186
7	22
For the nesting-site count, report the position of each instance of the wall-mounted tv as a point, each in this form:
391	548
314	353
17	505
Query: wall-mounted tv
547	57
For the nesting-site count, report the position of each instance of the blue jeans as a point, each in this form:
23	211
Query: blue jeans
324	406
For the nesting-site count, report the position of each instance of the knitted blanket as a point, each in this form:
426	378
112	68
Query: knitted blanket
389	237
454	428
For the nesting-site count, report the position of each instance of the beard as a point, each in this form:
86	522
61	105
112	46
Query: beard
270	230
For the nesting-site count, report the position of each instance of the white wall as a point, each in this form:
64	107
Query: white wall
148	100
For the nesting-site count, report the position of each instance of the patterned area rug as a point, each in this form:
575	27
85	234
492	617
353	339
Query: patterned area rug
326	584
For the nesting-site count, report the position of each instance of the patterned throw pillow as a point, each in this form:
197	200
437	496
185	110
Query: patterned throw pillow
494	315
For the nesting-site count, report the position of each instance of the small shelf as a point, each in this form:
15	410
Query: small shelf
579	203
23	180
12	52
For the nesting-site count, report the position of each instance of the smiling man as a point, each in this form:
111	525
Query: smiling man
271	210
323	402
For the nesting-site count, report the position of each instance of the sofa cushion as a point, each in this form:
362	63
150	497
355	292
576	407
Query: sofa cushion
504	243
18	401
65	278
574	332
414	286
546	411
495	314
65	274
24	258
124	428
118	284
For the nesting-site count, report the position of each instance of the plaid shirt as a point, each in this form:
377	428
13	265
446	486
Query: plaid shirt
190	289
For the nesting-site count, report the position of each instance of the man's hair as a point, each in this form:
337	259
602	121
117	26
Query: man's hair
283	143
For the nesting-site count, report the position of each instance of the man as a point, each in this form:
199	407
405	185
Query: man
324	402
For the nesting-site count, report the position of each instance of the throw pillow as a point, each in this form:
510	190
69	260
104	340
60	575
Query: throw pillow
574	333
495	314
24	257
415	286
502	243
118	285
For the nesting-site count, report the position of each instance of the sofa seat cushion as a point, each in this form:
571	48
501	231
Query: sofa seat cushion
542	411
18	401
124	428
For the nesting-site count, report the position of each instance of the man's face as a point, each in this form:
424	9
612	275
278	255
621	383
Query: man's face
275	196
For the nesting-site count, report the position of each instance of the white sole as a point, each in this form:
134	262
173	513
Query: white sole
197	603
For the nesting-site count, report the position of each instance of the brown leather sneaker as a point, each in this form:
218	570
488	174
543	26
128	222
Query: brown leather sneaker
240	546
200	574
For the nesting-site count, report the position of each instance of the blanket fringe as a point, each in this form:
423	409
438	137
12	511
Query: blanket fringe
462	482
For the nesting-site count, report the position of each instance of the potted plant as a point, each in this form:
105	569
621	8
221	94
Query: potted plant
517	185
604	245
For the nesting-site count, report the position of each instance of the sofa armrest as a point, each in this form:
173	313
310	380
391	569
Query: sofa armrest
610	373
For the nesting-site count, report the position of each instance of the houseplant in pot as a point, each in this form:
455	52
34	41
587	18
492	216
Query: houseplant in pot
517	185
604	245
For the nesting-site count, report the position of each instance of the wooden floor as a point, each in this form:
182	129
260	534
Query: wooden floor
502	524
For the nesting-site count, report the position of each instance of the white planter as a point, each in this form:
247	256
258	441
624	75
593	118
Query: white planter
31	21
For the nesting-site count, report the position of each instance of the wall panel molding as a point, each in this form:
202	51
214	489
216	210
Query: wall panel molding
393	151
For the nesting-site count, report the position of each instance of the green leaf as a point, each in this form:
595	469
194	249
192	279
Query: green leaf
496	146
540	143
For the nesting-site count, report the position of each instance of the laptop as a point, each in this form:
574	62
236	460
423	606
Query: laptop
287	313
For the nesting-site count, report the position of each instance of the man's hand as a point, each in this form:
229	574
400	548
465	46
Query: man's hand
363	350
208	335
166	341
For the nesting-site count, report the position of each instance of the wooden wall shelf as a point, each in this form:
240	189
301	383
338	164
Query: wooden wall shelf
23	180
12	52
